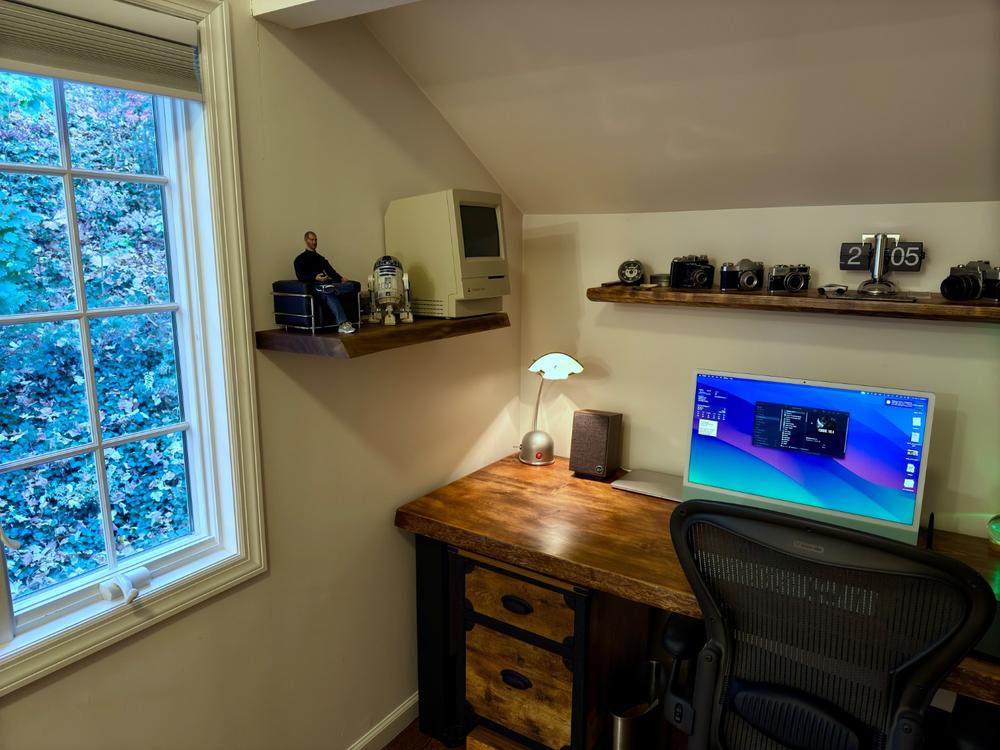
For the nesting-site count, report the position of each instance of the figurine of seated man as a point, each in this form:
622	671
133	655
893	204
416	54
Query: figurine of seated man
311	266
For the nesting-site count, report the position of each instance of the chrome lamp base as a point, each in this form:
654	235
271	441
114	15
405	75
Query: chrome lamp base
536	449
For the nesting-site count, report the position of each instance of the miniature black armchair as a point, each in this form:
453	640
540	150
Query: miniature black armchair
297	304
815	637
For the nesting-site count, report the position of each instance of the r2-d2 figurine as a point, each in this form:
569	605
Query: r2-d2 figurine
389	292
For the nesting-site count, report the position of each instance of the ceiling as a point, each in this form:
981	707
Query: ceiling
588	106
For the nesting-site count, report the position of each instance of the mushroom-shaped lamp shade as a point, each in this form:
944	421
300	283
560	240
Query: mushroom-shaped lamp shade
537	448
556	366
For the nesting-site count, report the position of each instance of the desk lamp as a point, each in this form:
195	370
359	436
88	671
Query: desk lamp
536	446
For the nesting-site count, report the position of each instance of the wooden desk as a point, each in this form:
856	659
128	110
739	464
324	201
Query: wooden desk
588	534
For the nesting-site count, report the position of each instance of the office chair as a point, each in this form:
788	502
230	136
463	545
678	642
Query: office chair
818	637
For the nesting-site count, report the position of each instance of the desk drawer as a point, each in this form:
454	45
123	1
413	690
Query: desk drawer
519	686
516	602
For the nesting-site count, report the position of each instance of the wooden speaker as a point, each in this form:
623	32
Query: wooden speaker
596	449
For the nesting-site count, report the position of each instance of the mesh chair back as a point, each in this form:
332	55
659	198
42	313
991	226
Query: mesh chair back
827	637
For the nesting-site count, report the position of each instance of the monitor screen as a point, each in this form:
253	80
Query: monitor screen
843	450
480	231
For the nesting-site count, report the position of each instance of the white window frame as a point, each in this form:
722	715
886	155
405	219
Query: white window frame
216	366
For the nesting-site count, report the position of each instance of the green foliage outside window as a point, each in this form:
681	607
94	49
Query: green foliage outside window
54	508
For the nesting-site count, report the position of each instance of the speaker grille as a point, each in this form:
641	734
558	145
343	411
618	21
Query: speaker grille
596	447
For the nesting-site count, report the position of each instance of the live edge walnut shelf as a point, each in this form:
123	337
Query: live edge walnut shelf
927	307
372	338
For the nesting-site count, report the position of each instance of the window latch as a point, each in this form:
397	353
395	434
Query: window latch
6	603
125	585
6	541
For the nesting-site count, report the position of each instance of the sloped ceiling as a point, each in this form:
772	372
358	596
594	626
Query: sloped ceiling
580	106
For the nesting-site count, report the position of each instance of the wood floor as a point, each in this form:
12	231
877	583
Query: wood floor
411	739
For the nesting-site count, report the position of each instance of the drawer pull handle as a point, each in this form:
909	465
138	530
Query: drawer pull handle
516	604
515	679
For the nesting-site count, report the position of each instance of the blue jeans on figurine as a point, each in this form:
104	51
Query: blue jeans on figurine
329	294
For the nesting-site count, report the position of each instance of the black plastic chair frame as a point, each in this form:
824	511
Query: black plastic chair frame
787	716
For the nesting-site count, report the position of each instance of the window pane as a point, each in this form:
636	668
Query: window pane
43	399
136	372
53	511
36	273
122	240
28	133
147	485
111	129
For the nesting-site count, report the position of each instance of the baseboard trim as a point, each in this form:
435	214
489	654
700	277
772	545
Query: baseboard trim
380	735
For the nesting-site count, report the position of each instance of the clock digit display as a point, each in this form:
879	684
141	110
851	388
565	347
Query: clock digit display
855	256
906	256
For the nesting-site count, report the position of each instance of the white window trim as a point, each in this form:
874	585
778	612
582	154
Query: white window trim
50	644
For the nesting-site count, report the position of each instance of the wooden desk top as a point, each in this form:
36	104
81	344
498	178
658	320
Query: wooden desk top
585	532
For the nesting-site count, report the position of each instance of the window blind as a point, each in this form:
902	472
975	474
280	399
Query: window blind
35	40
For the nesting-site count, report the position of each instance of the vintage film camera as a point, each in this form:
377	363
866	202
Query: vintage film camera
691	272
972	280
788	278
743	276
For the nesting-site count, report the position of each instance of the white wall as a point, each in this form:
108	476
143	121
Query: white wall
324	646
639	359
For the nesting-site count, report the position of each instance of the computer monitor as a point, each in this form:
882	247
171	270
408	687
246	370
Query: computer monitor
849	455
451	243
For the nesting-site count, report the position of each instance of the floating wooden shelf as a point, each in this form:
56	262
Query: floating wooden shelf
928	306
372	338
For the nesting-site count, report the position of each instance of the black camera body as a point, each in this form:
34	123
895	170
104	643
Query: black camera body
973	280
788	278
743	276
691	272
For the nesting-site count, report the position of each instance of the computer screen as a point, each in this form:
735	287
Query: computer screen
845	454
480	231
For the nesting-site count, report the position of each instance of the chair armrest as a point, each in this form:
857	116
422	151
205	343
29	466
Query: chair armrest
292	286
683	638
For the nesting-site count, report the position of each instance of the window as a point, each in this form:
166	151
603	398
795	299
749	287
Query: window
93	466
127	422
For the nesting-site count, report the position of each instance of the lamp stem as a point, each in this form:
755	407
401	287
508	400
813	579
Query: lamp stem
538	400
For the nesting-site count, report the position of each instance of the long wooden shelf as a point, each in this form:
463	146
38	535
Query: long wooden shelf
372	338
928	306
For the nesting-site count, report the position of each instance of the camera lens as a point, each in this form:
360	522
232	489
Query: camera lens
961	287
700	278
795	282
749	280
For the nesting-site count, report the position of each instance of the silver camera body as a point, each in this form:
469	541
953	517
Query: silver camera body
743	276
788	278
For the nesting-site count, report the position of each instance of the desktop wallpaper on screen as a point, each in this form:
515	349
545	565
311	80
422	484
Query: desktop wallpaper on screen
853	451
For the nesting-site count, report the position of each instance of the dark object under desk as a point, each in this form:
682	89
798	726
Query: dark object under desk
586	535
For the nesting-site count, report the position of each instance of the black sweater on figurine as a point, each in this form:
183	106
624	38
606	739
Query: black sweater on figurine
309	264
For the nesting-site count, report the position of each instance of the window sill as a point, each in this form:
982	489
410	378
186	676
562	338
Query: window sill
63	640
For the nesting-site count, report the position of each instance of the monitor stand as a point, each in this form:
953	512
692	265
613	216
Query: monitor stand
655	483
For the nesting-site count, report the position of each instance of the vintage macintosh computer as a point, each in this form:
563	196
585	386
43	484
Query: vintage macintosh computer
451	243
